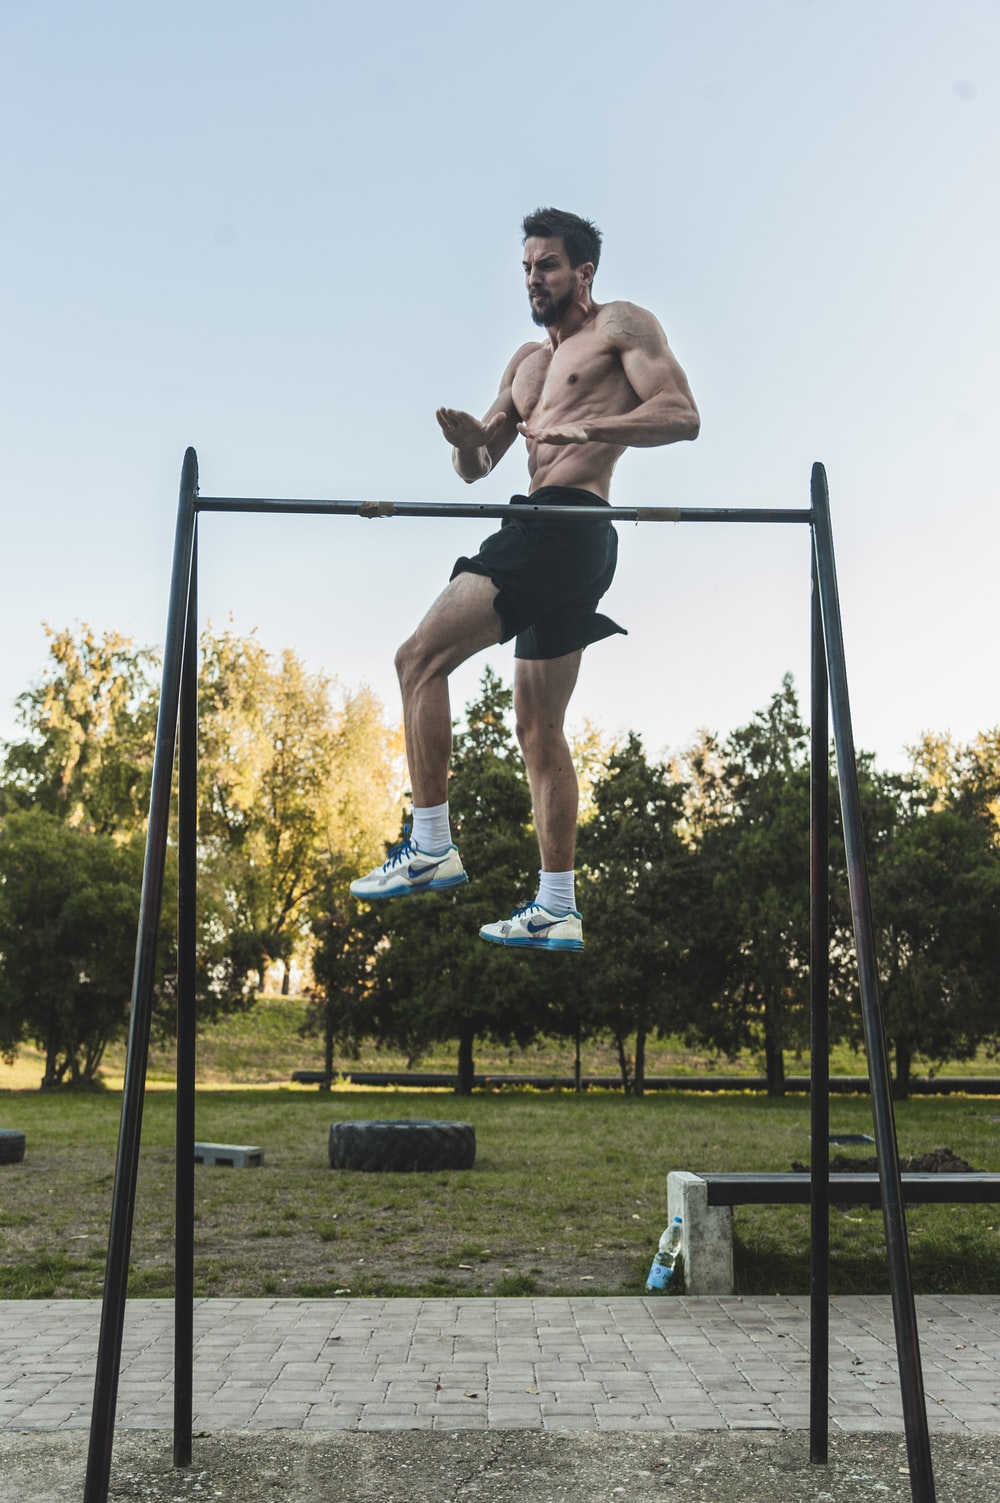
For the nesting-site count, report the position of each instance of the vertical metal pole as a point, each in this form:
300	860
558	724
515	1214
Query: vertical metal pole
893	1211
187	924
819	1090
109	1346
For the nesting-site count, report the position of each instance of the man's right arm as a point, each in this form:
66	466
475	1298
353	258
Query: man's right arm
478	446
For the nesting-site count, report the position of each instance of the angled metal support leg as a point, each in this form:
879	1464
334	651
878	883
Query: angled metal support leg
187	932
127	1165
819	990
893	1212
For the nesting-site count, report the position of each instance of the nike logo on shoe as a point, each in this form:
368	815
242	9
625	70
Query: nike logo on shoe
550	931
411	870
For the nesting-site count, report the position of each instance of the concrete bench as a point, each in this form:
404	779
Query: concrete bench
705	1204
229	1155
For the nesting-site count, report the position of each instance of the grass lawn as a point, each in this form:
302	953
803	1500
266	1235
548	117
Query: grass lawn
568	1195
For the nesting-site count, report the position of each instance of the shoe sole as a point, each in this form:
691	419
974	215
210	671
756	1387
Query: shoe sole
533	944
411	889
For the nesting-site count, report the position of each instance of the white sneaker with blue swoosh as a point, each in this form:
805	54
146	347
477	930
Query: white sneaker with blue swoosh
535	928
410	870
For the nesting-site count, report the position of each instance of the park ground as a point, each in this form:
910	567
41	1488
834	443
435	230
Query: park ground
574	1202
568	1193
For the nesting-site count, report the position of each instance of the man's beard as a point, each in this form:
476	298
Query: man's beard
551	312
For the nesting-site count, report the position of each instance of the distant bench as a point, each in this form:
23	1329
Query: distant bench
851	1085
705	1203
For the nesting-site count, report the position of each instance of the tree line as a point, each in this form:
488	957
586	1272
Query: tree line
300	782
693	876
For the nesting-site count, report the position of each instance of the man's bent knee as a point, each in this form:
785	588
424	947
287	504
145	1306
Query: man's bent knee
542	739
420	660
405	659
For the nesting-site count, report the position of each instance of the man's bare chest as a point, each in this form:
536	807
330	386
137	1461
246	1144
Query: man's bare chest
574	375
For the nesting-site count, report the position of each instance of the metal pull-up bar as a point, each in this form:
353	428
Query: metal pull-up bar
527	507
178	707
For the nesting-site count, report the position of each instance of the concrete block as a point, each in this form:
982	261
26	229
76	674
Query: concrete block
228	1155
707	1237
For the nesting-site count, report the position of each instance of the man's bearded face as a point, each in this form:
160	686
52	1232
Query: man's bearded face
547	310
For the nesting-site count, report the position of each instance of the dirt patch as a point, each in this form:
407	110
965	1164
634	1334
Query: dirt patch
497	1467
938	1161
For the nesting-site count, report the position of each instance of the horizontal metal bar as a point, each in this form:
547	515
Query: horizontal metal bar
501	509
850	1189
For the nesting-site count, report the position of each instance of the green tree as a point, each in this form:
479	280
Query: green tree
592	750
365	776
965	778
344	1000
937	901
69	903
294	788
934	863
748	817
635	869
298	784
91	724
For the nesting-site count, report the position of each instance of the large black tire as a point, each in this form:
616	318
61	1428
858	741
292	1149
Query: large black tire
402	1147
11	1146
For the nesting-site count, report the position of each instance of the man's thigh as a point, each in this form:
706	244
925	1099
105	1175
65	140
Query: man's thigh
462	621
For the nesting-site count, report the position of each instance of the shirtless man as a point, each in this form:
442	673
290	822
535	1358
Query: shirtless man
603	379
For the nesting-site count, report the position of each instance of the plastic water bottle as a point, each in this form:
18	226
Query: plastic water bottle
665	1261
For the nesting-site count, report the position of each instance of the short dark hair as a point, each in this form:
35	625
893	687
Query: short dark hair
581	237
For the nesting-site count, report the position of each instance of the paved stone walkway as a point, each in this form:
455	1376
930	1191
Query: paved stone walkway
679	1364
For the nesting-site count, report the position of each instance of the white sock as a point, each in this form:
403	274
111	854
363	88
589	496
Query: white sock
556	891
431	832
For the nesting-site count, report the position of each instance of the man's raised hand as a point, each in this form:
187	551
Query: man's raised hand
466	433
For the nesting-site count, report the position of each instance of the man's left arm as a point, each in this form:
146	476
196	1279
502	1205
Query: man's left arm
666	413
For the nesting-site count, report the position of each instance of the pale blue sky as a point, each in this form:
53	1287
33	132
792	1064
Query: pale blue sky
285	234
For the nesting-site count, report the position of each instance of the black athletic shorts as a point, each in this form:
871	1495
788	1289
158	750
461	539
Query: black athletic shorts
550	575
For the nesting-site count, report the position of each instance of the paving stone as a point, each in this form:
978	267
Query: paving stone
682	1364
706	1419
